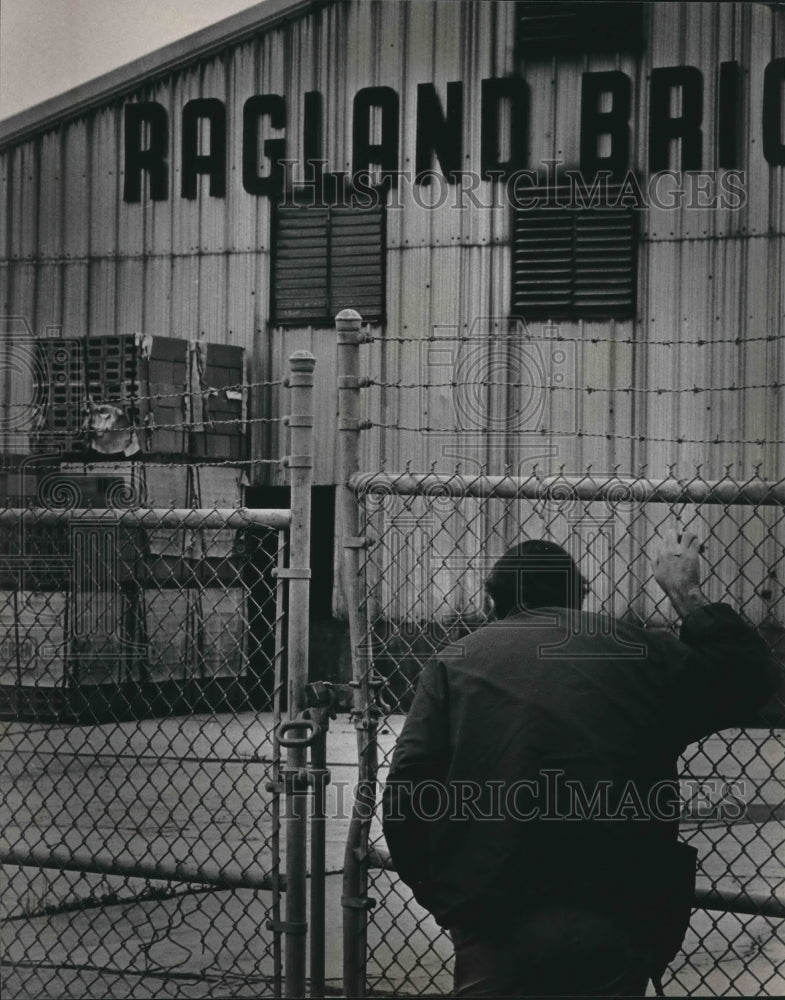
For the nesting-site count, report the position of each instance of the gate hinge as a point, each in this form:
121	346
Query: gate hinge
358	542
298	420
358	903
287	926
290	573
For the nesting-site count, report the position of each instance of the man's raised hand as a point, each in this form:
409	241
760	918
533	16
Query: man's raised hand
677	570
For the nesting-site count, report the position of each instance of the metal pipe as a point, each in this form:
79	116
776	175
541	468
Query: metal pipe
736	901
611	489
300	465
275	838
318	860
355	874
168	517
207	873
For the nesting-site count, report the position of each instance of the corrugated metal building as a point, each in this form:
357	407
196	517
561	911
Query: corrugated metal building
165	199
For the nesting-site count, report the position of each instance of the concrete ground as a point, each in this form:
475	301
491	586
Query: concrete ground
193	790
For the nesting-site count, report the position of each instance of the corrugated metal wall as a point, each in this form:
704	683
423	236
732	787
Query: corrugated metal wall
73	254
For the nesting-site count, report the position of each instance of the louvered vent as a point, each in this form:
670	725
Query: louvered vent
328	259
575	262
554	27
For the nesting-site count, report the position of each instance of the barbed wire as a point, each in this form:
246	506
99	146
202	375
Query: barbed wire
482	383
190	425
183	392
545	432
133	398
206	391
560	339
489	383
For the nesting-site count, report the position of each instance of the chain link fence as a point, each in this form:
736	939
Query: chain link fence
153	662
145	702
145	630
432	542
419	547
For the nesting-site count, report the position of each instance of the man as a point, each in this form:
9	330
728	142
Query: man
532	800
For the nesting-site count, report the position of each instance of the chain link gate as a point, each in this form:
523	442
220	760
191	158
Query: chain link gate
417	551
150	658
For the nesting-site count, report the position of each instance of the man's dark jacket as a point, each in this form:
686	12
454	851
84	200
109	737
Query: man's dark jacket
580	705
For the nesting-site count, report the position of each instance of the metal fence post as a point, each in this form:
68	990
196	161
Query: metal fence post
355	899
300	465
321	697
318	849
279	666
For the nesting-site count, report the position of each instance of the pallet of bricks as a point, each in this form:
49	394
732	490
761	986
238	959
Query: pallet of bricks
152	395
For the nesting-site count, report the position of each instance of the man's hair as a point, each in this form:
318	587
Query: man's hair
534	574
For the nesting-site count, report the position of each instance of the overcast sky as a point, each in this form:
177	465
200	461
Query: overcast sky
48	46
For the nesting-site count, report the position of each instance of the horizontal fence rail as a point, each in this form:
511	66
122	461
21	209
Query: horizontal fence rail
164	517
562	488
204	873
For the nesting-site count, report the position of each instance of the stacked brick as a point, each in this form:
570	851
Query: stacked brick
167	405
